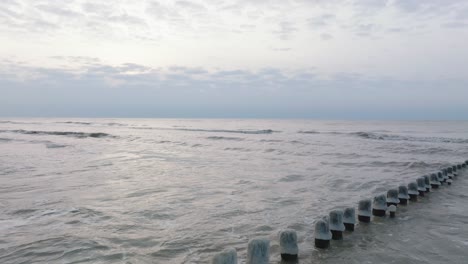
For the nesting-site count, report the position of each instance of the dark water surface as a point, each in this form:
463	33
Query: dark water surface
179	191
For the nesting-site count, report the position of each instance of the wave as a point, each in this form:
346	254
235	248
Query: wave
308	132
75	122
240	131
225	138
60	133
378	136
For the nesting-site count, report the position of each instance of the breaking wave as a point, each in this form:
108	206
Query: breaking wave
246	131
225	138
59	133
308	132
378	136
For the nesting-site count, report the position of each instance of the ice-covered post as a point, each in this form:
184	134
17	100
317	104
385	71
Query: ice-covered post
454	168
336	224
427	182
365	210
434	181
403	194
392	197
450	172
413	191
228	256
449	175
421	186
288	244
440	177
445	174
322	234
258	251
392	209
349	218
379	206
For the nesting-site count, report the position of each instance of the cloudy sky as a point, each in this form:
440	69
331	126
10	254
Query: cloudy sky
345	59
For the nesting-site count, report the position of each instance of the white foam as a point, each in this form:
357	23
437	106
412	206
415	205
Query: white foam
403	192
288	242
365	207
336	220
228	256
349	215
380	202
258	251
392	196
322	230
392	208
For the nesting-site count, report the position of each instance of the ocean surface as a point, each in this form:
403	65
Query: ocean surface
180	191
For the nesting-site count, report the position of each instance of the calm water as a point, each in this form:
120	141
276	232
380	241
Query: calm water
179	191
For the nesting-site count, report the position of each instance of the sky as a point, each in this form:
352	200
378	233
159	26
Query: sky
323	59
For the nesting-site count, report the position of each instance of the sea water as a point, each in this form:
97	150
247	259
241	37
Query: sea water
181	191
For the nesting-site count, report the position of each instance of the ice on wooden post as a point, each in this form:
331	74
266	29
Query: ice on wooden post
322	234
434	181
258	251
365	210
392	209
427	182
445	174
379	206
440	177
454	168
392	197
403	194
450	173
288	244
349	218
228	256
413	191
336	224
421	186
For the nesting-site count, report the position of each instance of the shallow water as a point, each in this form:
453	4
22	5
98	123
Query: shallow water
179	191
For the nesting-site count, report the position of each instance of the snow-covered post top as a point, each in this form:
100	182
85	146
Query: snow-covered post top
322	230
336	220
403	192
413	188
228	256
421	184
380	202
434	180
349	215
288	243
258	251
365	207
427	182
392	196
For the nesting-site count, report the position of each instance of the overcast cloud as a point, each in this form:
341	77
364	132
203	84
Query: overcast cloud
379	59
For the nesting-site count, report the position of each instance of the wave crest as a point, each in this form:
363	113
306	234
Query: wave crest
59	133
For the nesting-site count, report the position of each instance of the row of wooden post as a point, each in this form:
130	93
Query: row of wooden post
331	227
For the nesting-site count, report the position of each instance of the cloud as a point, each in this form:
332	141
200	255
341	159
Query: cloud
285	30
97	89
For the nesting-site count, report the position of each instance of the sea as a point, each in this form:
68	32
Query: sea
85	190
